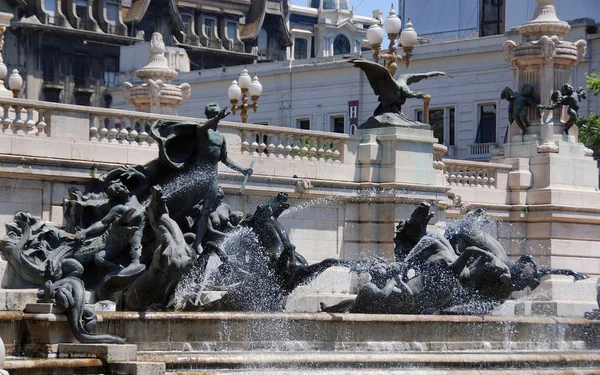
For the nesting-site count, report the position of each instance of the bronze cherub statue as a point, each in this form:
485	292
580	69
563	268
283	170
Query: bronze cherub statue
518	104
567	96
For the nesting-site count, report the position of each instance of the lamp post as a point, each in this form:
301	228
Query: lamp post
241	88
392	26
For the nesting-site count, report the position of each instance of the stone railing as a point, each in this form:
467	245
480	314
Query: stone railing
23	117
475	175
481	150
286	143
113	126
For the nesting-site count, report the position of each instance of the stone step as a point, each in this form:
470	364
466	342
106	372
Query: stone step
189	361
31	366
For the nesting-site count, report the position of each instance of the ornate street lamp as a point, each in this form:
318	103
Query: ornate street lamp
241	88
392	26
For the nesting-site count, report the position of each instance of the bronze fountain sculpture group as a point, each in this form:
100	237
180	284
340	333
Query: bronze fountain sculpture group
134	238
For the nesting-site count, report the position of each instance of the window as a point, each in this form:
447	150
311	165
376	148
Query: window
263	42
49	64
492	17
111	67
81	11
303	124
80	67
486	131
338	124
451	127
187	24
112	11
300	48
341	45
232	31
436	120
50	8
147	25
442	123
209	28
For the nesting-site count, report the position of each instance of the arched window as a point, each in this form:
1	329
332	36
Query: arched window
263	42
341	45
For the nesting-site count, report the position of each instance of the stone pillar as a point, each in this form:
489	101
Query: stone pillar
554	183
4	23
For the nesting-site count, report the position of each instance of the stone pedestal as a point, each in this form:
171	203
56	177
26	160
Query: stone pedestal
397	158
397	155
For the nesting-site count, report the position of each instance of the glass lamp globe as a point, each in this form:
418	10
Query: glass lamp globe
245	79
375	34
255	87
15	81
392	24
408	37
234	92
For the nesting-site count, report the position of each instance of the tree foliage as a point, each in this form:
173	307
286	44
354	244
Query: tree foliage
589	127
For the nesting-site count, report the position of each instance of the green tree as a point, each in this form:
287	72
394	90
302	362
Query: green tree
589	127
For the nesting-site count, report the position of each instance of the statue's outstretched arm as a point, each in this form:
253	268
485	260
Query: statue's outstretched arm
231	164
210	123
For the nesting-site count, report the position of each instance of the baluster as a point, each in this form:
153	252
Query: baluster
447	171
336	153
103	132
459	176
93	129
133	134
151	142
18	126
112	130
478	178
328	152
6	120
296	147
471	180
312	151
30	128
280	147
271	146
491	179
262	146
288	147
41	125
143	133
123	133
254	145
320	149
303	148
245	143
485	179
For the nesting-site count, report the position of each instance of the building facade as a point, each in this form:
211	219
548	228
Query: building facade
323	92
69	50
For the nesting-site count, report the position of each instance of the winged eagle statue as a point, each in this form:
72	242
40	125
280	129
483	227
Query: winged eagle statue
392	92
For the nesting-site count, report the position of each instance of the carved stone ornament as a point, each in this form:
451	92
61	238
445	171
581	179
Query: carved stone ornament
581	49
509	50
548	45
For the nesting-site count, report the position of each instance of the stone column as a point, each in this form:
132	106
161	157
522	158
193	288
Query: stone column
4	23
554	183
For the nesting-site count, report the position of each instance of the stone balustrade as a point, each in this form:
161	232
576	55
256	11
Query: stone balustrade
482	150
23	118
113	126
291	144
470	174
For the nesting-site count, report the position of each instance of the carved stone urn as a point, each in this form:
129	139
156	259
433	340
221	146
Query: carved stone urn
156	94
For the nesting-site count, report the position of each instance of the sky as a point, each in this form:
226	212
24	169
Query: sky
363	7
